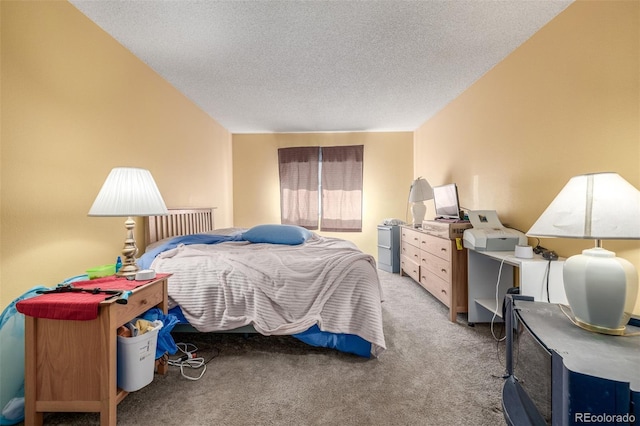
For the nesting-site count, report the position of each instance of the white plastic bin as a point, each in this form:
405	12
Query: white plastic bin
136	359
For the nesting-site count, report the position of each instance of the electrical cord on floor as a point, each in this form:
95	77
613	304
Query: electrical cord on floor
189	359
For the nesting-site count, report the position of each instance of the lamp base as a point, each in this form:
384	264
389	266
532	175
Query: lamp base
601	290
129	266
599	329
418	210
128	272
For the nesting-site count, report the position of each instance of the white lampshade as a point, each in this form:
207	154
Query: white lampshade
129	192
601	288
600	206
420	191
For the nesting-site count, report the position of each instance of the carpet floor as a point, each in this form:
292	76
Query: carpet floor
434	372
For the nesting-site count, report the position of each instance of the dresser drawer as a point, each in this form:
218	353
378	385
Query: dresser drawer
436	246
411	236
436	286
436	265
141	300
410	267
410	251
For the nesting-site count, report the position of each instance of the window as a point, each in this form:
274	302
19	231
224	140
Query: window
322	185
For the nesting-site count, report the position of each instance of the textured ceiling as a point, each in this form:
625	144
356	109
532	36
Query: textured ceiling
315	66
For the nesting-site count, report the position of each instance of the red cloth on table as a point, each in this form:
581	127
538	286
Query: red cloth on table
81	306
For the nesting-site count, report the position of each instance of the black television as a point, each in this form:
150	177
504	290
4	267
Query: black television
561	375
527	391
445	200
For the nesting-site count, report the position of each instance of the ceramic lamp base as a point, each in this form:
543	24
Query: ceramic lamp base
601	290
418	210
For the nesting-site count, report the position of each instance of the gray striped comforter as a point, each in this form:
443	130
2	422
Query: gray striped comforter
279	289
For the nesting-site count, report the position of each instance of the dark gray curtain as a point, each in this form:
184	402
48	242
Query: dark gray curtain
299	201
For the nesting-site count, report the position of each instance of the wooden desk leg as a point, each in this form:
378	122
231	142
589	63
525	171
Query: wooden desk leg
108	370
31	417
162	367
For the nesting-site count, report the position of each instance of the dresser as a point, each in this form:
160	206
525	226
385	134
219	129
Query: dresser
435	258
389	248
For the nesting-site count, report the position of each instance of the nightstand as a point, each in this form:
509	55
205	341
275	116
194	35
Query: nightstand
70	366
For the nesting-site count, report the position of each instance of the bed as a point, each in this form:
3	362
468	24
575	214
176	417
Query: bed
271	279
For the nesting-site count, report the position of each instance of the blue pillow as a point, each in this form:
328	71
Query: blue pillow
277	234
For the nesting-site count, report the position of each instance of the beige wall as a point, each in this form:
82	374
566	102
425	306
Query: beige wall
387	177
563	104
75	104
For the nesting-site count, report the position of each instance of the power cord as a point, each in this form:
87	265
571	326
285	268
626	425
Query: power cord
538	249
495	312
548	274
188	359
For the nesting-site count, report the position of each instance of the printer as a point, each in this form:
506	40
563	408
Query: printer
488	234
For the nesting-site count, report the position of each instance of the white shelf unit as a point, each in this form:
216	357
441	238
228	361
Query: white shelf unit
484	268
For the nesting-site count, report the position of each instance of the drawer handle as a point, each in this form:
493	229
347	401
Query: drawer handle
443	249
444	291
415	239
415	255
443	270
143	302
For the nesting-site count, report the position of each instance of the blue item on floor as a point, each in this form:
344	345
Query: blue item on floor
349	343
165	340
12	366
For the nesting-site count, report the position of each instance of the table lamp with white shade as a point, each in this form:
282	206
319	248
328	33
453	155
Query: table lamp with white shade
420	191
601	288
129	192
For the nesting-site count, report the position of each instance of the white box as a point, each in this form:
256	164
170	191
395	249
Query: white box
136	359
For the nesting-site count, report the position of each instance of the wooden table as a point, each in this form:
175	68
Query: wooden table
70	366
